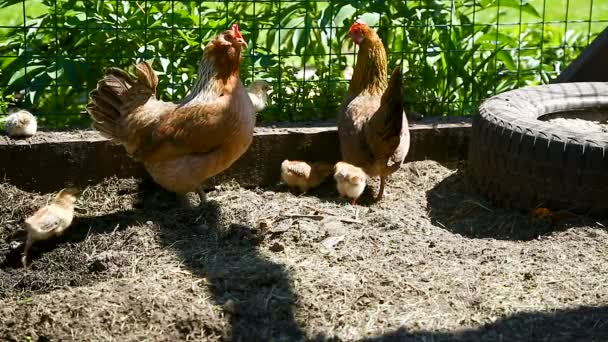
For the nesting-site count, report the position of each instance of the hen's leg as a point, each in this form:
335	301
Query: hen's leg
28	245
381	191
183	200
202	195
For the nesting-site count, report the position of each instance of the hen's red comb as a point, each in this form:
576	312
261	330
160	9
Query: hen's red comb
358	23
235	28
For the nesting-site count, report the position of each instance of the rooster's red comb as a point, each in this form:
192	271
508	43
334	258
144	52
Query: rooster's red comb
235	28
358	23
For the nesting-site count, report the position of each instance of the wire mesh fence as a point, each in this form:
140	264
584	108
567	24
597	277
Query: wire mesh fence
454	53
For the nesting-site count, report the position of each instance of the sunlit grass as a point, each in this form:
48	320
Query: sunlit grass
13	15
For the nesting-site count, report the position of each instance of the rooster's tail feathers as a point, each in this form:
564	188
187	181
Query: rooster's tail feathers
111	99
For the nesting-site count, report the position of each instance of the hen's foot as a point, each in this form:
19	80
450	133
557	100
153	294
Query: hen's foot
184	201
381	190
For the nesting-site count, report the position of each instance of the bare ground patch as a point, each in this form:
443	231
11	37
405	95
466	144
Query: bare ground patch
434	261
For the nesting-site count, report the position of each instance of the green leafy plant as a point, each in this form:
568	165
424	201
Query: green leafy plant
454	53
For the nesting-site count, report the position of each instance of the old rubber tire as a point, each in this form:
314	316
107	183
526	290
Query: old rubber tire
522	162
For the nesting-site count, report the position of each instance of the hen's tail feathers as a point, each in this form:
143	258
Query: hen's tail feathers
117	94
392	99
393	95
147	76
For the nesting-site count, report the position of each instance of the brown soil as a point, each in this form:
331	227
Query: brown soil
432	262
43	136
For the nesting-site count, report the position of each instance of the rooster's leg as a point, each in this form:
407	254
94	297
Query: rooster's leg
28	245
381	191
201	195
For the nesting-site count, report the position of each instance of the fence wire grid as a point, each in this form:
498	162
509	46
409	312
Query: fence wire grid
454	53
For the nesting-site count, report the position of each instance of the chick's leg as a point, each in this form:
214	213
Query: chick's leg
381	191
28	246
202	195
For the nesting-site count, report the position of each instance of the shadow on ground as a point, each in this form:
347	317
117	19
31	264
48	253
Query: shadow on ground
580	324
255	293
455	205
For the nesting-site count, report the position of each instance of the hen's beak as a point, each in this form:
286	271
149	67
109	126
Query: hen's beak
242	42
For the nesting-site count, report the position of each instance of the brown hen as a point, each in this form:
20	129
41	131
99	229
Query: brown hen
372	125
180	144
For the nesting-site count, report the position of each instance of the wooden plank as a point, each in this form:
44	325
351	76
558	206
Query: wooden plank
87	158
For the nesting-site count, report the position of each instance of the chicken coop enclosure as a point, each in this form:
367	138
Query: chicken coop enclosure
453	53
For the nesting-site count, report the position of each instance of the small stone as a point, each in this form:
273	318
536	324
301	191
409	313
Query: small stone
282	227
201	228
330	242
14	245
102	262
264	224
277	247
333	227
230	306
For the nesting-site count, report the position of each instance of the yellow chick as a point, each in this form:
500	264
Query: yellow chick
258	93
50	220
21	124
350	180
303	176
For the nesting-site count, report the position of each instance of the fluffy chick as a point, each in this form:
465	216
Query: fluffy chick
350	181
258	93
302	176
21	124
50	220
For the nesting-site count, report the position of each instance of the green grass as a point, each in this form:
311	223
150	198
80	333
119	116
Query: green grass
578	15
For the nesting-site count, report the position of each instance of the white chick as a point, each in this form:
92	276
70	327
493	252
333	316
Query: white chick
304	176
350	180
21	124
258	93
50	220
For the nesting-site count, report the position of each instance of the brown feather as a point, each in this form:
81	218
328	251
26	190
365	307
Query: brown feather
372	126
181	144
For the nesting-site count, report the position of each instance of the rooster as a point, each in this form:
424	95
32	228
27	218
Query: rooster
372	125
180	144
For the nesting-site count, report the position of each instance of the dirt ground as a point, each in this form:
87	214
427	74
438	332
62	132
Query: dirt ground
432	262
